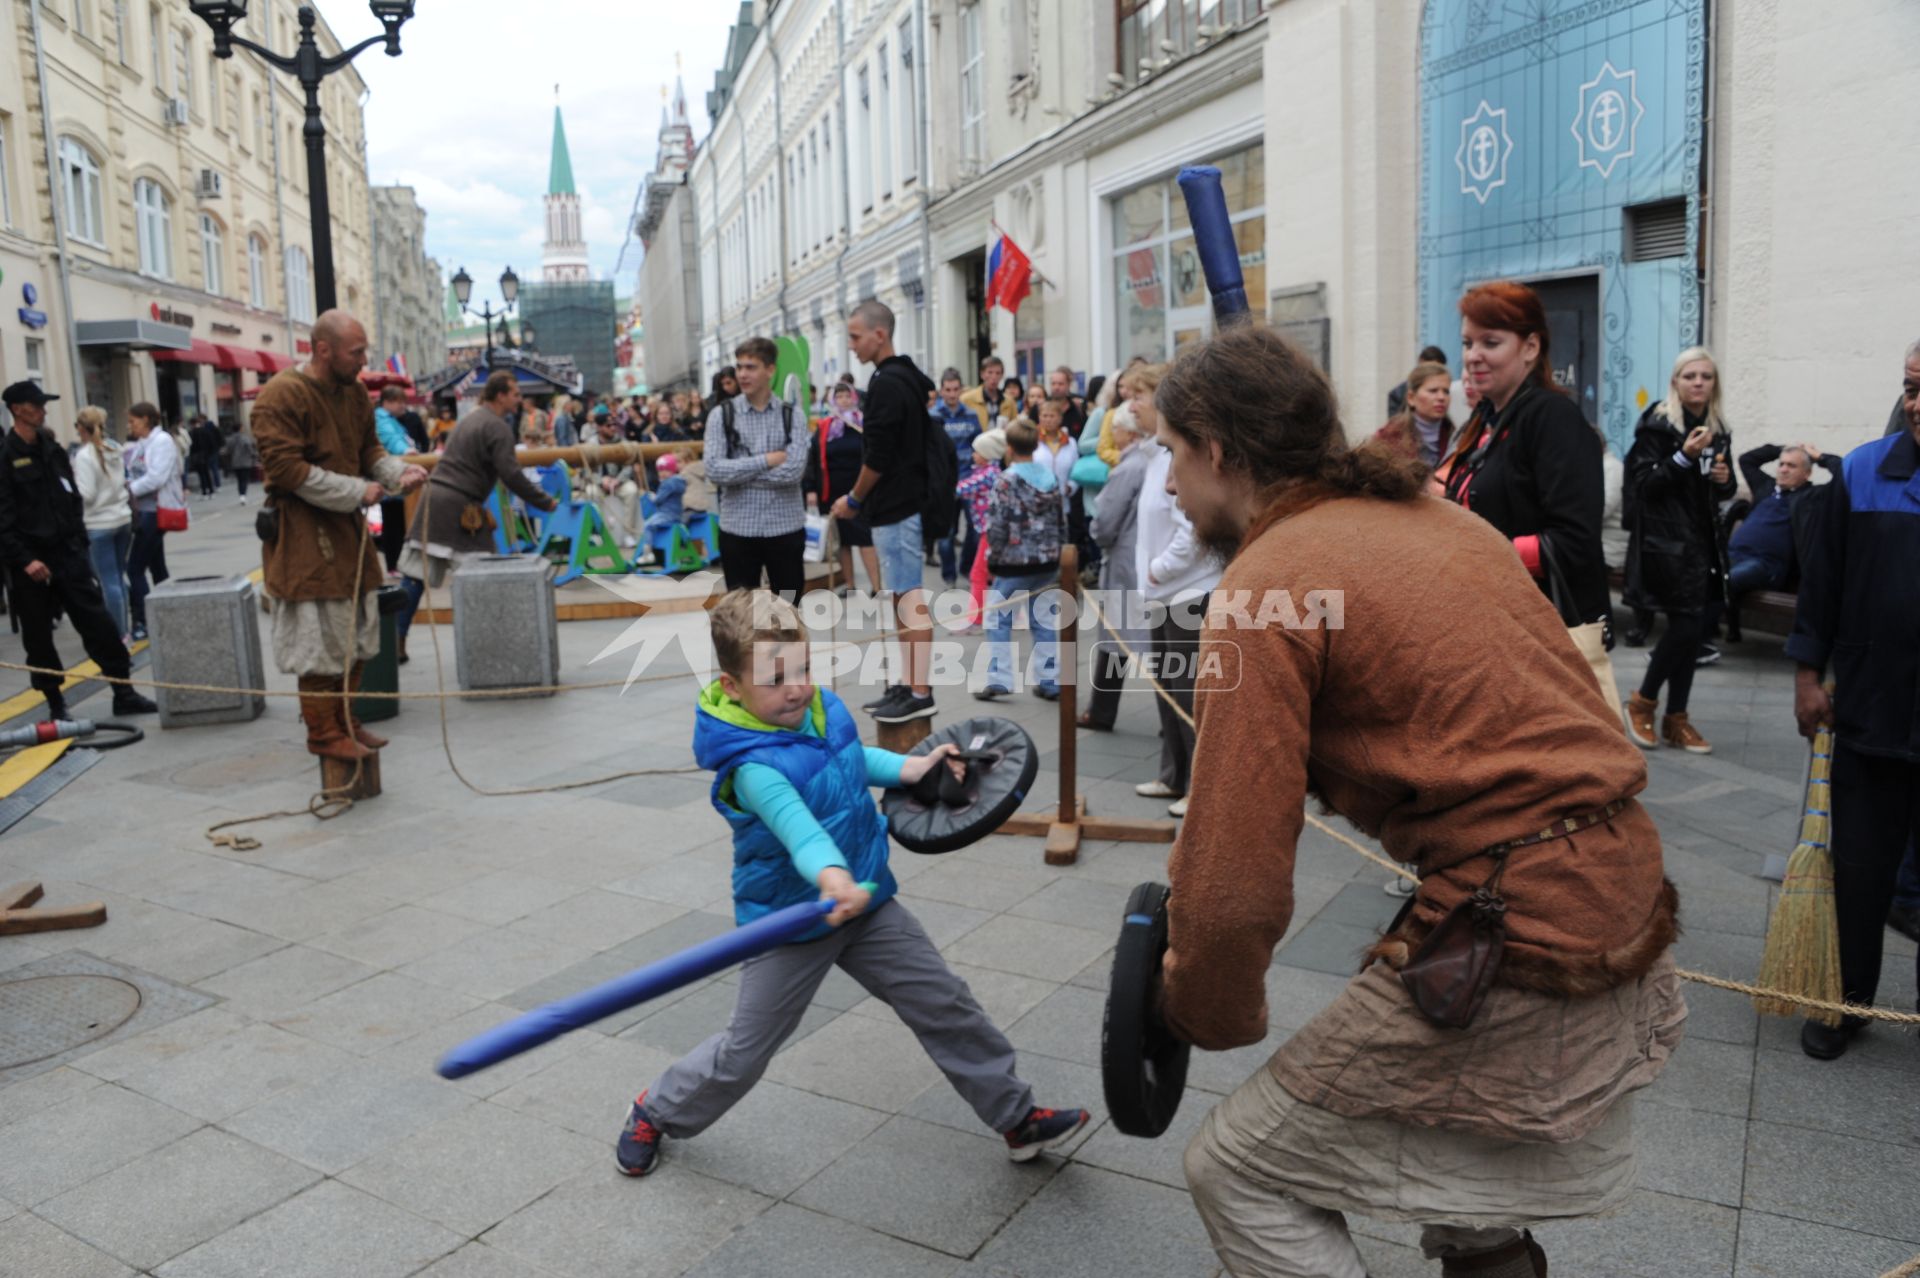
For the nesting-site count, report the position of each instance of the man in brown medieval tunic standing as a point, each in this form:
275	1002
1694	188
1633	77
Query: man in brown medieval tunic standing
324	465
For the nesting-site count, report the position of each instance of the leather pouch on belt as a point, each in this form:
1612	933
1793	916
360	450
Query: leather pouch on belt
1449	975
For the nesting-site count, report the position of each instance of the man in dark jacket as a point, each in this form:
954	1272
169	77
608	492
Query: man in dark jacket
43	540
1859	610
1765	551
890	495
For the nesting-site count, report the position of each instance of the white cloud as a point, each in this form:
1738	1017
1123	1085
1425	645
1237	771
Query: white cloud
465	115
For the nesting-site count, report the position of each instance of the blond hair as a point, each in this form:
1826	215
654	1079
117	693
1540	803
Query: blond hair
91	422
1022	436
1670	407
744	619
1146	378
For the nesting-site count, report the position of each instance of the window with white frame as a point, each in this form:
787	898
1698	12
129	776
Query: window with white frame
80	189
973	93
156	45
153	218
6	182
885	112
863	141
80	25
299	286
822	179
213	251
36	360
793	198
257	272
1161	294
182	65
120	32
910	107
259	126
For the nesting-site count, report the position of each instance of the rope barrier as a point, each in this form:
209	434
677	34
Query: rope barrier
1701	978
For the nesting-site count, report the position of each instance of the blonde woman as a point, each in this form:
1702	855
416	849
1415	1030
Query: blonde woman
100	473
1678	472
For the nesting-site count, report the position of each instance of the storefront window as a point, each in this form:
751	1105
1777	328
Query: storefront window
1161	293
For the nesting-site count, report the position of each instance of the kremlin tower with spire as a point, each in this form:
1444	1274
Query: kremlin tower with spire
563	258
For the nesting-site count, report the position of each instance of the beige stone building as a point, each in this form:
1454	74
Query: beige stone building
408	319
180	186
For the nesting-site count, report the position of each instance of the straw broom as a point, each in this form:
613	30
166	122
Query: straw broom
1803	937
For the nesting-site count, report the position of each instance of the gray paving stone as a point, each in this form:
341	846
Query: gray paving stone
690	880
1881	1104
1003	996
858	1059
42	1092
1097	975
1703	1074
374	1014
351	1114
676	1028
326	1232
1830	1179
589	1089
1690	1152
236	1071
775	1140
1056	1084
298	913
1082	903
420	1054
993	888
1655	1236
500	897
472	1170
71	1143
790	1242
1085	1218
1777	1247
418	875
1065	1024
598	918
477	1260
150	1209
602	1223
398	936
493	964
1125	865
1157	1160
672	936
945	923
1029	947
198	950
285	980
1325	945
928	1184
160	1044
31	1248
1721	1015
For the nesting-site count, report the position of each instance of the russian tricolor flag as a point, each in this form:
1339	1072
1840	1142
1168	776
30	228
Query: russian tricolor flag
397	365
1009	274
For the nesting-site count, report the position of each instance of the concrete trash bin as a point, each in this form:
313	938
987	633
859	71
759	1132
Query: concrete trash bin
506	632
206	630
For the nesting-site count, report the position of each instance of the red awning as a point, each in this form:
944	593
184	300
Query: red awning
237	357
275	361
201	352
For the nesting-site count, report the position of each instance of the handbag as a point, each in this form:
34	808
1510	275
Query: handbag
171	518
1594	639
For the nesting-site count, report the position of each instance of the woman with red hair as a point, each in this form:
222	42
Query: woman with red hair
1529	464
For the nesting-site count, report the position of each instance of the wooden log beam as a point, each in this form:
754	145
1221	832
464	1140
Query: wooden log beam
577	455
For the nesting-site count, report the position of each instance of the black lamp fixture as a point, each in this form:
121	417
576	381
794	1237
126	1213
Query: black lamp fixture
307	64
526	336
509	294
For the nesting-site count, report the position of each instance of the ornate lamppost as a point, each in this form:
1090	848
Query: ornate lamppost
310	67
509	294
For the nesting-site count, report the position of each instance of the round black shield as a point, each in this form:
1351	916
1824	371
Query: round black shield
1143	1068
943	812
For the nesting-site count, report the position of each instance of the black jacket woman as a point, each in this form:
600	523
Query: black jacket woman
1529	463
1679	470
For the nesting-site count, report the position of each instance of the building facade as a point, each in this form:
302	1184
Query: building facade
176	182
407	287
1663	172
669	291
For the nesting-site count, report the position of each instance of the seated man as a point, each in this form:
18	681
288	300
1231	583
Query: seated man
1764	552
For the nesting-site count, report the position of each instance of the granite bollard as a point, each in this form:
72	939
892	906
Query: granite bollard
206	630
506	632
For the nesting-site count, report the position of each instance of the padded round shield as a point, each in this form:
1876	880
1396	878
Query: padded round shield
1143	1068
944	812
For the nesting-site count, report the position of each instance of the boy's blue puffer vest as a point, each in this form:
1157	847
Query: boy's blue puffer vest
829	771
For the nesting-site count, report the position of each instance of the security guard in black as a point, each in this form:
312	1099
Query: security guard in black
43	543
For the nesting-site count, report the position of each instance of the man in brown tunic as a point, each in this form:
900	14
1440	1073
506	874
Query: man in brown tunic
324	465
1430	695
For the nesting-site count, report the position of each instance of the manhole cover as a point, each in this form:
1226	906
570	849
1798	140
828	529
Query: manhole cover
44	1016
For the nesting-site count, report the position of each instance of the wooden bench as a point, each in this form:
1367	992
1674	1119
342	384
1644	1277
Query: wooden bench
1768	611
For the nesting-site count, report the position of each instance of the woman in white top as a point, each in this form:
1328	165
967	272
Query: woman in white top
101	475
1177	573
154	475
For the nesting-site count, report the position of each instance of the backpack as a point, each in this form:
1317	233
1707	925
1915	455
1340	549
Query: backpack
733	435
942	506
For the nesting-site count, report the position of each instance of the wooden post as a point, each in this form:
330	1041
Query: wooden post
901	738
18	916
339	777
1068	823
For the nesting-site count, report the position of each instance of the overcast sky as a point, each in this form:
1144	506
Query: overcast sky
465	116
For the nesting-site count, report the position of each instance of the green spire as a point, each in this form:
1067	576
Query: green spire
560	177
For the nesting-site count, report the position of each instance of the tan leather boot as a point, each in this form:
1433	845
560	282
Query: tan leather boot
326	729
370	740
1678	731
1521	1258
1639	712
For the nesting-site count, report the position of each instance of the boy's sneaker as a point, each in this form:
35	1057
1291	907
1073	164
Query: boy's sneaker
892	693
639	1146
992	692
1043	1129
904	707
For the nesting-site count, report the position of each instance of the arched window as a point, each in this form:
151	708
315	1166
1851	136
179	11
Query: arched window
213	253
257	271
80	187
153	215
299	286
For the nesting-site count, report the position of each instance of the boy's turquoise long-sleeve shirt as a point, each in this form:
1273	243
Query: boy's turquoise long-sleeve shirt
768	795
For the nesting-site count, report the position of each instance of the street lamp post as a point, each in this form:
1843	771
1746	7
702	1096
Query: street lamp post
509	294
310	67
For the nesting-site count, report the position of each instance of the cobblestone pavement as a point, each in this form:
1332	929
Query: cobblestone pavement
272	1109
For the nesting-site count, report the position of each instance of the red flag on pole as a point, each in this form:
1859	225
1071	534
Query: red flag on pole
1010	276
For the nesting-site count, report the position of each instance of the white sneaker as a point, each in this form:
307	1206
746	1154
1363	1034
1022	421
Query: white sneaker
1399	887
243	499
1178	807
1156	789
